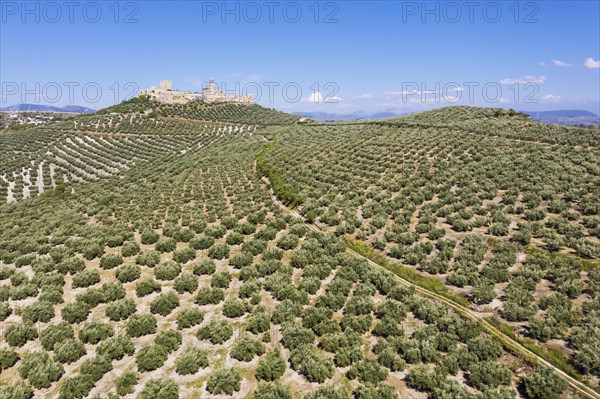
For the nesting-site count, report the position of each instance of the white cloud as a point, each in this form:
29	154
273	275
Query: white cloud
542	64
402	93
524	80
551	97
561	64
317	98
362	96
591	63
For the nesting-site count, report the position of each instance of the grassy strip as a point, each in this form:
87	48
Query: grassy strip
586	264
553	356
284	192
429	283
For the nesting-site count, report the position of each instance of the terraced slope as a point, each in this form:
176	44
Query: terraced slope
179	277
509	221
234	113
97	146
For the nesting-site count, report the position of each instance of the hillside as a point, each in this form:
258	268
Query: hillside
198	110
146	251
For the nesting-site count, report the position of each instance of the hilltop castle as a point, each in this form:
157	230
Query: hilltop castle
211	94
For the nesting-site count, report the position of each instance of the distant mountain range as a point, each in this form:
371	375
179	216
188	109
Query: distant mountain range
355	116
48	108
561	117
565	117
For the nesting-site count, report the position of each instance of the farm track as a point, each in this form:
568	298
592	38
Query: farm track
507	341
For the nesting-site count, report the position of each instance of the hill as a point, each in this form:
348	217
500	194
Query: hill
145	248
199	110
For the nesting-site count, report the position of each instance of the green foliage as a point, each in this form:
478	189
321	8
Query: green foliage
125	383
224	381
113	291
315	367
18	390
141	324
219	251
148	258
489	374
167	271
295	335
166	245
163	388
184	255
39	369
115	348
274	390
40	311
110	261
120	309
191	360
220	280
271	366
189	317
77	387
202	243
208	296
164	304
328	392
68	351
186	282
149	237
169	339
95	331
130	248
128	273
18	334
544	384
234	308
86	278
8	358
205	267
147	287
245	348
56	333
96	367
216	331
283	191
150	357
367	371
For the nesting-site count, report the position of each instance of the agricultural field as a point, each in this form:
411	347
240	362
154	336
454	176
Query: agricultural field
145	253
503	210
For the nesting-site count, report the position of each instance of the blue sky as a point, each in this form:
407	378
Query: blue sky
342	56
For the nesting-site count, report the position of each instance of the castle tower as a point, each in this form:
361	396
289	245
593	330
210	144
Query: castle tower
166	85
